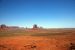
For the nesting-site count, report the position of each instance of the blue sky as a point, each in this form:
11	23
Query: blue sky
45	13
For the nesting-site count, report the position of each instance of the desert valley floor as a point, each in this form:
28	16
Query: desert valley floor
32	42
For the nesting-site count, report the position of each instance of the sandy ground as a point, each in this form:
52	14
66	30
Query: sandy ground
36	43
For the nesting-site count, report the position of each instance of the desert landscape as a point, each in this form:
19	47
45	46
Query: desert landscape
37	24
37	38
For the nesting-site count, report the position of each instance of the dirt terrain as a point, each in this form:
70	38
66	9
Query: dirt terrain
36	41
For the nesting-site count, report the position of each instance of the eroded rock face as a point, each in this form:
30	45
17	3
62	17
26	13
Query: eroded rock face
35	26
3	26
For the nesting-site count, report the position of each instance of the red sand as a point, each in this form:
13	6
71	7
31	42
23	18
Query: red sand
36	43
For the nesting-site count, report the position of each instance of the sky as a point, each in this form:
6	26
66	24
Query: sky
44	13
